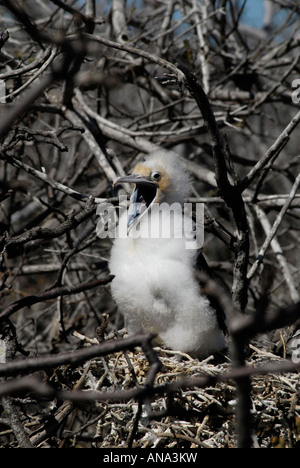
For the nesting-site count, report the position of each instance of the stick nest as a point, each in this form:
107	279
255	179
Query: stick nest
192	418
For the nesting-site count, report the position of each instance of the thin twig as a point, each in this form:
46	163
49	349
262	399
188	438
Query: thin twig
273	232
73	357
274	150
229	192
276	247
51	294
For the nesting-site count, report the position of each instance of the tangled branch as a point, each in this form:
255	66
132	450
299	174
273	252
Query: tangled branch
81	103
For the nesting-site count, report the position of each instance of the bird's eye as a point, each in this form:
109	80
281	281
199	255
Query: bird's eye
155	175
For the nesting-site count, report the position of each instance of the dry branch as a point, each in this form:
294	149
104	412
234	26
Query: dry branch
113	83
231	194
51	294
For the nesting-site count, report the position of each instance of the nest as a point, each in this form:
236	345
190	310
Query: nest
180	416
192	417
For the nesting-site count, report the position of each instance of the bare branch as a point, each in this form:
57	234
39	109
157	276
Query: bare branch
273	232
75	357
82	100
51	294
273	152
230	193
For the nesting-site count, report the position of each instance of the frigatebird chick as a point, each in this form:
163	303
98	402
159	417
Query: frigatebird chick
154	283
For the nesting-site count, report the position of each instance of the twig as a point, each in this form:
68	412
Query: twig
73	357
139	52
33	384
72	222
27	68
192	440
88	19
61	413
203	49
47	179
247	327
276	247
135	425
115	131
77	119
273	232
243	415
265	201
273	151
41	70
15	423
119	23
51	294
230	193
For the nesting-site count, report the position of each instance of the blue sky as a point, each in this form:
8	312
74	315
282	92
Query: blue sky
254	13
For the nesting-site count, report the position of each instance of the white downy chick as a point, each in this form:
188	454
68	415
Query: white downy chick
154	284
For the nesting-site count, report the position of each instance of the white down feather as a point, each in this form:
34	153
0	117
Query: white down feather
154	284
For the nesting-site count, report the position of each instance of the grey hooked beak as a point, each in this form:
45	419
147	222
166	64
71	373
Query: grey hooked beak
142	198
133	179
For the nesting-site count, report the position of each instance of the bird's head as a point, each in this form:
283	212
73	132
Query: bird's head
160	178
